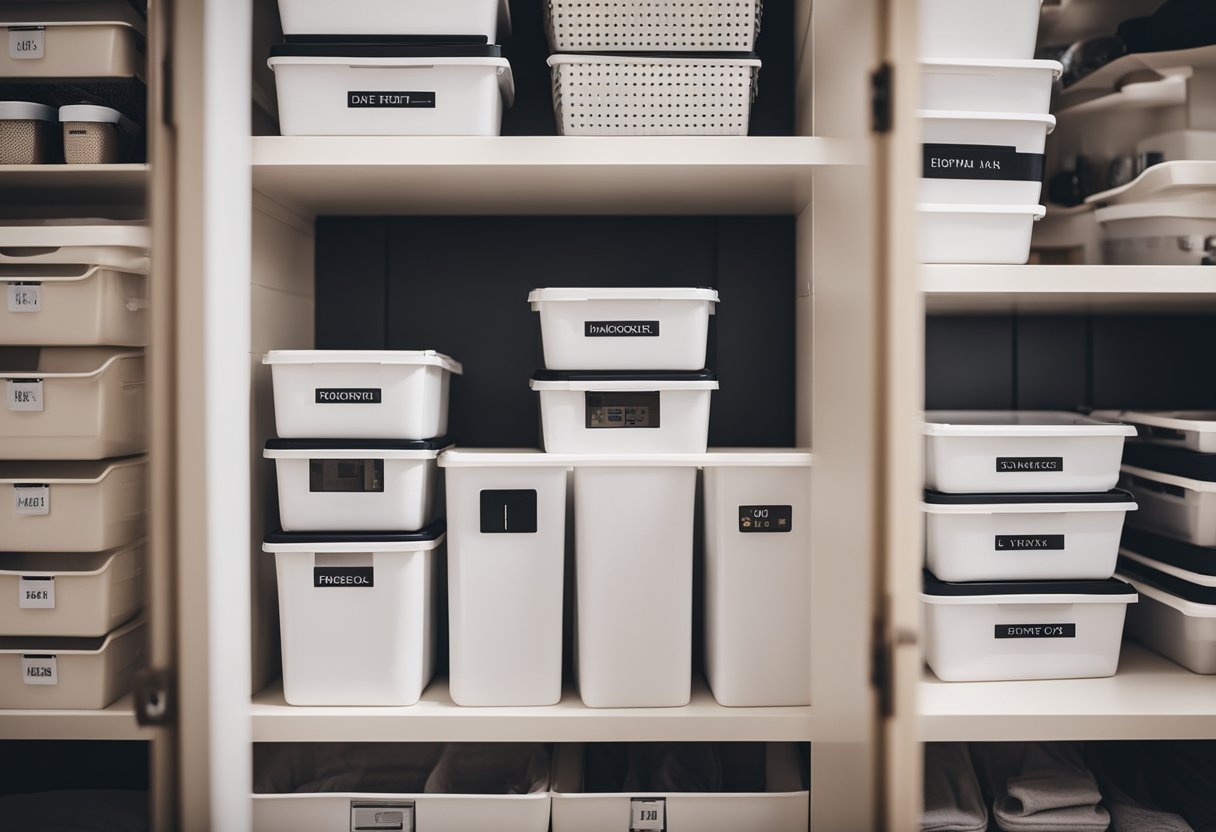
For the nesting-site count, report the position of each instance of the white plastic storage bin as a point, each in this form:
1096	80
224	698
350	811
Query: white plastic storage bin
652	25
977	233
70	673
391	89
1194	430
633	95
1157	233
428	787
979	28
357	615
506	555
758	576
488	19
610	412
60	594
71	306
94	135
70	41
72	403
983	158
1176	491
361	394
624	329
1021	452
357	485
633	528
985	86
26	133
72	506
1024	537
753	786
987	632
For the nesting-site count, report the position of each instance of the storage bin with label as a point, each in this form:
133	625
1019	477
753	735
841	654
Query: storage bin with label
1024	537
652	25
758	576
1021	452
987	632
431	787
976	233
1193	430
360	394
488	20
618	412
1175	488
506	556
27	133
357	615
624	329
1152	233
979	28
62	506
52	673
684	787
637	95
72	403
72	40
70	594
355	485
984	86
391	89
983	158
94	135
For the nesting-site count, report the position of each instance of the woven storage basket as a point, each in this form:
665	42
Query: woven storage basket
26	131
653	25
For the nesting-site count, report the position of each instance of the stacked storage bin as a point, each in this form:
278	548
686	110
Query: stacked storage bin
360	550
73	483
1022	538
653	67
985	122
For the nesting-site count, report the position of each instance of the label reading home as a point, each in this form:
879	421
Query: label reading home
1024	464
36	593
32	500
24	297
622	410
621	329
1029	542
404	99
348	395
765	519
334	577
1036	630
26	44
39	670
978	161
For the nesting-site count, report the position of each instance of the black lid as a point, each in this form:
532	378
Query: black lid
432	532
384	49
387	40
1170	460
623	375
436	444
938	498
1188	556
1168	583
1110	586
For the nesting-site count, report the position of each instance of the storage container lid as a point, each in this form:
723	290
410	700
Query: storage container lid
59	645
1048	121
25	110
36	234
681	58
989	423
549	295
622	380
1198	559
640	461
97	113
1185	590
498	458
1113	497
384	48
356	542
62	472
757	457
1000	591
1036	211
427	357
1055	67
355	448
1170	460
72	13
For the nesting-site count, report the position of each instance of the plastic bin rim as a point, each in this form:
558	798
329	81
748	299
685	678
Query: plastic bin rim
429	358
1056	67
1036	211
948	503
966	115
387	48
1162	419
97	113
85	472
1192	609
425	539
1023	592
719	58
936	424
107	560
103	642
41	374
498	458
25	111
758	458
355	448
74	234
575	294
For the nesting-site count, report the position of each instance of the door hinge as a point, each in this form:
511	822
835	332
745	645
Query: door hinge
882	104
153	692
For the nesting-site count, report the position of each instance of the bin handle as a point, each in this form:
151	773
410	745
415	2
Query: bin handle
50	278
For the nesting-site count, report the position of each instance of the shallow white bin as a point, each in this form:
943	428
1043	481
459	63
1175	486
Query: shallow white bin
985	158
624	329
361	394
72	506
357	615
782	804
758	576
355	485
391	90
1157	233
69	41
979	28
69	306
976	85
1021	452
1024	537
70	673
1194	430
611	412
987	632
1176	489
111	244
652	25
481	18
1176	615
506	556
70	594
72	403
977	233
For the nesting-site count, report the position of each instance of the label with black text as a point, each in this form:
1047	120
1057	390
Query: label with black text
1036	630
24	395
32	500
979	161
765	519
621	329
39	670
36	593
27	43
648	814
329	577
1023	464
24	297
1026	542
348	395
405	99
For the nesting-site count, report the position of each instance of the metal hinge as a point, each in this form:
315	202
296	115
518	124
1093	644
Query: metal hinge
882	103
153	691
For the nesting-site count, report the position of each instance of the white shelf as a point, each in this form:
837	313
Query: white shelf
437	719
1149	698
116	722
76	184
543	174
960	289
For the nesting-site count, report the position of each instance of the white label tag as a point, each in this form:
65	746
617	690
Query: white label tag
24	297
24	394
648	814
26	44
36	593
33	500
39	670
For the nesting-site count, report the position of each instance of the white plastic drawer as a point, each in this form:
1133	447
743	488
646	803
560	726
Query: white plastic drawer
49	305
976	233
979	28
976	85
983	158
484	18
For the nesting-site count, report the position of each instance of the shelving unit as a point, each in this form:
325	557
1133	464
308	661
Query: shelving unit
116	722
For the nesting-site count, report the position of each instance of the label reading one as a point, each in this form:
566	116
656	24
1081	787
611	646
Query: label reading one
1036	630
622	410
364	476
621	329
980	161
329	577
24	394
348	395
405	99
36	593
25	297
32	500
765	519
26	44
648	815
1022	464
1028	542
39	670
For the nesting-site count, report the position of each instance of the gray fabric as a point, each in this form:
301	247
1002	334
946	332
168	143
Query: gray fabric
953	801
1129	815
1042	787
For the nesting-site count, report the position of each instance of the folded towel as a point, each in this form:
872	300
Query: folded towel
1042	787
953	801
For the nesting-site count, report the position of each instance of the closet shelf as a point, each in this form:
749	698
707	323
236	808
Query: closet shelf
1142	65
76	184
116	722
543	174
437	719
1149	698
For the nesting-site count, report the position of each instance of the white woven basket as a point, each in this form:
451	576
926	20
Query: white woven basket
653	25
603	95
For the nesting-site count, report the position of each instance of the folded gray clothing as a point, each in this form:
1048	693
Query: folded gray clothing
1042	787
1121	772
953	801
1129	815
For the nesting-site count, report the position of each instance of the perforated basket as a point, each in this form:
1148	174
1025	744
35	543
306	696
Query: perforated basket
603	95
653	25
